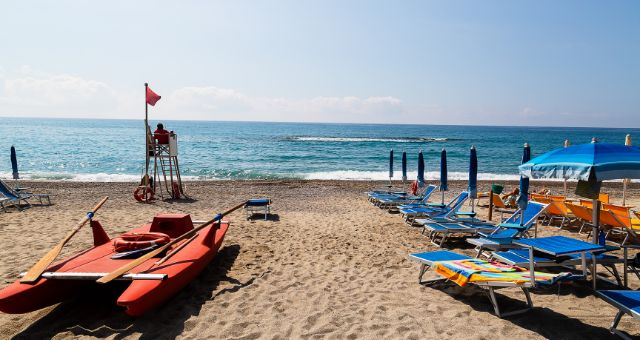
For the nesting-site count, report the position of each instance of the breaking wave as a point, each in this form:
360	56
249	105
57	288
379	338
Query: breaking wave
367	139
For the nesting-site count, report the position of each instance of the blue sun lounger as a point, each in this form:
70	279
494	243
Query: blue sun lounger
429	259
392	202
410	213
254	205
627	302
14	197
520	257
504	233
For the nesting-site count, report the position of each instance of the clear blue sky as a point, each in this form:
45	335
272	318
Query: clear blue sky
553	63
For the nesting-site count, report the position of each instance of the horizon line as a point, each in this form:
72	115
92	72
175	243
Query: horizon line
329	123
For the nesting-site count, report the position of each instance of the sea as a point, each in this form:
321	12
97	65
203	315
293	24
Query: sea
100	150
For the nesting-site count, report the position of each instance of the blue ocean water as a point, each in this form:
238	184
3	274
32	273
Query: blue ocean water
113	150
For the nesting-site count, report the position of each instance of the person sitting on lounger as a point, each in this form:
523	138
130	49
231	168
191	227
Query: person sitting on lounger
510	198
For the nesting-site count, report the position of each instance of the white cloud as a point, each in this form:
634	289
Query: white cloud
28	92
227	104
35	93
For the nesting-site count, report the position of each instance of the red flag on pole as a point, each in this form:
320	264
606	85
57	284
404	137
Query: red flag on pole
152	97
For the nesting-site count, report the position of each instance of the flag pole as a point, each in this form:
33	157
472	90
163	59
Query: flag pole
146	136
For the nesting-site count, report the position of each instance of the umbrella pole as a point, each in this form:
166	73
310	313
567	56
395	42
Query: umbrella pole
596	220
442	201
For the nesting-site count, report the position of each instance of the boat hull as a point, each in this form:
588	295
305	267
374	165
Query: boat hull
140	295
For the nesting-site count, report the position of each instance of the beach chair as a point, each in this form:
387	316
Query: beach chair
620	224
504	233
393	202
440	232
10	198
410	213
582	213
464	270
557	210
520	257
22	194
627	302
256	205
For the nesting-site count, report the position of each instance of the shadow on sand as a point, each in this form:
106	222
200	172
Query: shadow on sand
94	312
261	217
543	321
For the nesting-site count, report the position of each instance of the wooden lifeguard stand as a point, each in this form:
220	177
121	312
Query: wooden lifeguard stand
165	169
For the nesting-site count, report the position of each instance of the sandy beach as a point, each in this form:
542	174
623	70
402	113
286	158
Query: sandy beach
330	265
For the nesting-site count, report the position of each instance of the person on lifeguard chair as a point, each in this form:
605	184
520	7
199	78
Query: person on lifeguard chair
161	135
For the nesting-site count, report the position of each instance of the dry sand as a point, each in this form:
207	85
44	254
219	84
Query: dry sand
330	266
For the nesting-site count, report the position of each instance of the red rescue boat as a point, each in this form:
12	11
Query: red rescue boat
152	283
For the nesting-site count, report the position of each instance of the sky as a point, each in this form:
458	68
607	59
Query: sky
540	63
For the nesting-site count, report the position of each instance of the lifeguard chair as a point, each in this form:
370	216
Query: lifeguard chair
166	169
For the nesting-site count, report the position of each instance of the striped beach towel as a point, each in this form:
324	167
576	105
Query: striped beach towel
477	270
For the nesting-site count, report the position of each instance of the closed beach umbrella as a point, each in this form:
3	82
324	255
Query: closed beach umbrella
404	167
473	173
390	165
443	173
14	163
473	176
420	169
591	163
625	182
524	183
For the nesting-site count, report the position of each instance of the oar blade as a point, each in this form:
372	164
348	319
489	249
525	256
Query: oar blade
34	273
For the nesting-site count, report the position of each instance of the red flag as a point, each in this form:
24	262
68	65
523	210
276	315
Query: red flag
152	97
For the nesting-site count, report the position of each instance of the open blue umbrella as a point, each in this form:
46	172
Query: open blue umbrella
473	175
390	166
590	163
420	169
14	163
404	168
607	161
443	173
524	181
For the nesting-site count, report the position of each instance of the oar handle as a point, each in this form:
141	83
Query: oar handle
122	270
84	220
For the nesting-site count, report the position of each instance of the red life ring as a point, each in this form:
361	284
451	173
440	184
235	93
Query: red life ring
143	193
135	241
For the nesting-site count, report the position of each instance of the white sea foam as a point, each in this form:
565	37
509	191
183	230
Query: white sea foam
369	139
345	175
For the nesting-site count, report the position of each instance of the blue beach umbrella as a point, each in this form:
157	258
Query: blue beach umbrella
390	165
14	163
404	167
524	181
473	175
420	169
590	163
443	173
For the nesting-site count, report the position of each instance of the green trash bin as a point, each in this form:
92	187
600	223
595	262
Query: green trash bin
497	188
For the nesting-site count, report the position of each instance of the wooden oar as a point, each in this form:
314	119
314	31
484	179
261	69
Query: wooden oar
34	273
122	270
